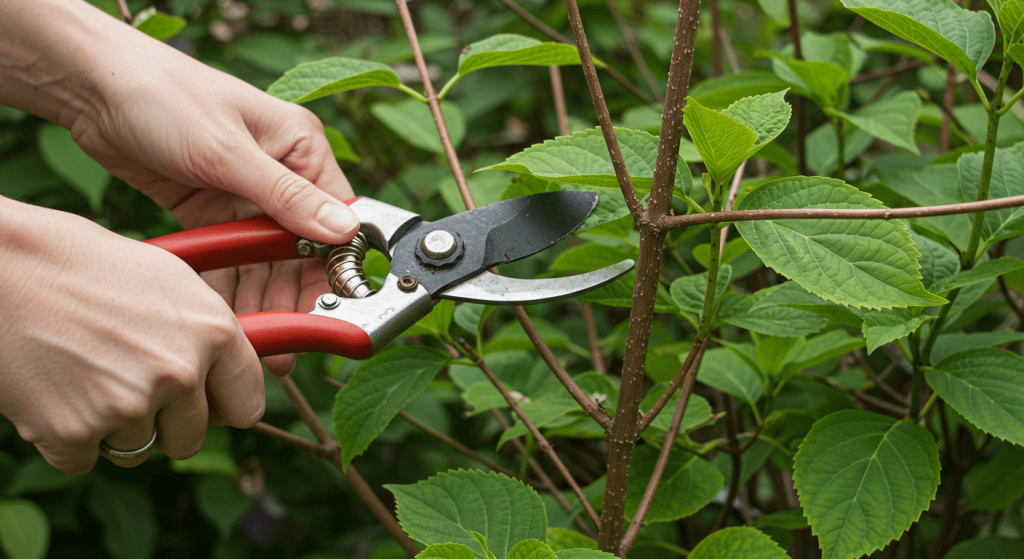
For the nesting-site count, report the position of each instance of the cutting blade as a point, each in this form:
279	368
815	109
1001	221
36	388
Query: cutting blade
489	236
492	289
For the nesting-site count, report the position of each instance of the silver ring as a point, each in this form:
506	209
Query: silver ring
127	454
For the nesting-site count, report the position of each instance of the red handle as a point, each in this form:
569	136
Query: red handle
226	245
277	333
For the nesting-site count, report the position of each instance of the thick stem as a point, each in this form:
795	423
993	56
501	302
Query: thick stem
622	437
801	118
604	118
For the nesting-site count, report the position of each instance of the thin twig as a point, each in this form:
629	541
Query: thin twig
435	106
677	221
558	92
687	370
734	189
884	72
543	28
904	60
1011	300
629	38
542	442
442	437
801	112
321	450
730	55
736	458
866	398
604	118
892	392
126	14
659	467
355	481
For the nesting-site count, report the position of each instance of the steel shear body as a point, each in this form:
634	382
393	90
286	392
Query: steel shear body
430	261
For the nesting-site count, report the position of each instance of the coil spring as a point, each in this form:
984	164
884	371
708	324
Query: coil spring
345	269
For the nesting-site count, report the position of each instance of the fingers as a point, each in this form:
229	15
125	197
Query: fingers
73	457
281	296
181	425
234	386
132	436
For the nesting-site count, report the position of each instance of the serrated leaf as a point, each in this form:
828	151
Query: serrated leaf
531	549
824	82
71	164
507	49
320	78
1016	52
129	522
689	483
583	554
688	291
723	370
767	115
157	25
948	344
1011	21
560	539
870	264
891	120
962	37
821	348
698	410
874	44
983	385
378	390
446	508
24	529
1007	180
582	159
446	551
740	310
412	121
937	262
722	141
790	294
863	479
986	271
340	147
720	92
989	547
738	543
773	352
882	327
999	482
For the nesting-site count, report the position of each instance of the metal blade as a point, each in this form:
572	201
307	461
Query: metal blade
491	235
492	289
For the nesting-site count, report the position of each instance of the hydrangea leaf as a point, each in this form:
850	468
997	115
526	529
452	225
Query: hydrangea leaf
983	385
689	483
738	543
722	141
320	78
882	327
508	49
891	120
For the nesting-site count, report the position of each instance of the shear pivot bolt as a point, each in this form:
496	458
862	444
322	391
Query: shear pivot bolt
329	301
438	244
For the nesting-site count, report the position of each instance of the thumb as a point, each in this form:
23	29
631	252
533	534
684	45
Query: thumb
296	203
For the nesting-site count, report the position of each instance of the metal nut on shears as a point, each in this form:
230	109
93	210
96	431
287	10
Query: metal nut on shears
439	248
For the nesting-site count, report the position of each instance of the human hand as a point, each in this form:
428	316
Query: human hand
105	339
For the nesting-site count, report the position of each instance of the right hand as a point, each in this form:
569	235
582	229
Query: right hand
104	339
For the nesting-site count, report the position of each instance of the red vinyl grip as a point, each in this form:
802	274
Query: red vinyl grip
277	333
226	245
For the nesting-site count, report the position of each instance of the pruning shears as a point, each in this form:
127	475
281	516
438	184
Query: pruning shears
430	261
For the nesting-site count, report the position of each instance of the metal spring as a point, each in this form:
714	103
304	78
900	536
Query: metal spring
345	269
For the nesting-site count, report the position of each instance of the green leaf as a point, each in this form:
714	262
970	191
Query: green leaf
720	92
767	115
870	263
737	543
70	163
619	293
339	145
742	311
882	327
937	261
320	78
986	271
610	205
560	539
863	479
531	549
1000	482
790	294
378	390
689	483
821	348
221	503
698	410
480	539
822	148
36	475
590	257
688	291
1011	21
25	176
824	82
1016	52
787	520
983	386
874	44
436	323
989	547
24	529
447	507
128	520
582	159
733	250
157	25
948	344
471	316
1007	180
722	141
962	37
583	554
412	121
507	49
773	352
891	120
446	551
723	370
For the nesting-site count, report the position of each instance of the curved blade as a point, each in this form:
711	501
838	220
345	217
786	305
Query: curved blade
491	289
494	234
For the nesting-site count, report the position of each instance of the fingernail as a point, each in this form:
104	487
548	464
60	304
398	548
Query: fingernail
337	219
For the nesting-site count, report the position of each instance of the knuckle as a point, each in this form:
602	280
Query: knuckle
181	379
69	433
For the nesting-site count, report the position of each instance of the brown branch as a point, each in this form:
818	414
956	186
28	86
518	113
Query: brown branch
677	221
1010	300
879	382
629	39
801	112
898	68
904	60
622	438
696	350
659	468
730	202
543	28
604	118
542	442
355	481
730	55
321	450
126	14
731	430
442	437
435	106
868	399
558	92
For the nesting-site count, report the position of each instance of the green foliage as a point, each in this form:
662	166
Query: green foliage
863	479
378	390
689	483
980	384
24	529
990	547
320	78
157	25
128	520
70	163
1000	482
737	543
507	49
891	120
412	121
